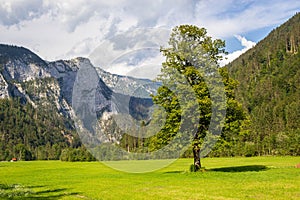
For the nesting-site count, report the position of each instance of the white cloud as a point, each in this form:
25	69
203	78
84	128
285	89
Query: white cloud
15	11
134	53
147	67
127	42
69	28
245	43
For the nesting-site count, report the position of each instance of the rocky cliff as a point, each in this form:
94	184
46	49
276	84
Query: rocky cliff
26	76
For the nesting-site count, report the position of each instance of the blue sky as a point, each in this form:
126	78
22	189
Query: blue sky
233	44
72	28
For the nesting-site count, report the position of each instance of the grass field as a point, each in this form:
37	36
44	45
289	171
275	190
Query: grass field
224	178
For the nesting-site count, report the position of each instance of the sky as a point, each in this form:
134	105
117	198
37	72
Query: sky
79	28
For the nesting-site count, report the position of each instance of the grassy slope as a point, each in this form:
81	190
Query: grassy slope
62	180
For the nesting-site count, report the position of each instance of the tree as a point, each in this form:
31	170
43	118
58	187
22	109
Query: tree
22	152
191	62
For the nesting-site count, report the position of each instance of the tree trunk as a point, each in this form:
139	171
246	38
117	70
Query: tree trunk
196	153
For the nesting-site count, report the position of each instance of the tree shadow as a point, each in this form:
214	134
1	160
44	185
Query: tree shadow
51	191
246	168
57	193
26	192
174	172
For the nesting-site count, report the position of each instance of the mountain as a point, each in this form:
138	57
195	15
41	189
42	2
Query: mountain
41	102
60	89
269	89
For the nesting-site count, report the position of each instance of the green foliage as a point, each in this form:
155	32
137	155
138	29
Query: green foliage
269	77
168	100
74	155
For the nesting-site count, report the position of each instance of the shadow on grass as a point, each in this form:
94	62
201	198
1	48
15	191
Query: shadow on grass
16	191
246	168
173	172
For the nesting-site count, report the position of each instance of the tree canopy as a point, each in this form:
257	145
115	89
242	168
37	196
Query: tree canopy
191	68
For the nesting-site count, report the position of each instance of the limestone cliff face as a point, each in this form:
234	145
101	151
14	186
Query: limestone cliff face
25	75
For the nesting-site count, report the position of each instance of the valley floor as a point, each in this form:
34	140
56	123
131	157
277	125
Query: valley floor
223	178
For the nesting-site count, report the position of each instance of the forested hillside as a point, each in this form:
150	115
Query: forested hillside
269	89
28	133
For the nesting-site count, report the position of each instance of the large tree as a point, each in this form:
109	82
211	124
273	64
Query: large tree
192	63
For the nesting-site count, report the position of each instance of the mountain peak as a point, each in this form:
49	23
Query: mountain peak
11	52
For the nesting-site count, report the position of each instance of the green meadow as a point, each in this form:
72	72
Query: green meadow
222	178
